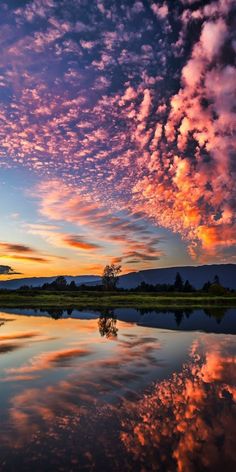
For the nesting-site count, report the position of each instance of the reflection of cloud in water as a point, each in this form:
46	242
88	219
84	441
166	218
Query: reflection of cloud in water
13	341
49	359
192	414
8	347
3	321
15	338
97	382
185	423
20	335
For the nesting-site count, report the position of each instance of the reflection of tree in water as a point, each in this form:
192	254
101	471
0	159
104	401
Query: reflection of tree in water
178	313
215	312
55	313
188	312
107	324
178	316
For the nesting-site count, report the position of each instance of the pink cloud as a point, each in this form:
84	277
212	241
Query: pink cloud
145	106
213	36
160	11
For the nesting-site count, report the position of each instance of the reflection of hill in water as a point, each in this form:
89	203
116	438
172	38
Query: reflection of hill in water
209	319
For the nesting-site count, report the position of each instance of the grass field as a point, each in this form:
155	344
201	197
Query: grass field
101	300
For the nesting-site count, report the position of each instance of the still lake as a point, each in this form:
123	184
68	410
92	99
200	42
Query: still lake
122	390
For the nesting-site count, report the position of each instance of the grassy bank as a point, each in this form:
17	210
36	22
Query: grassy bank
101	300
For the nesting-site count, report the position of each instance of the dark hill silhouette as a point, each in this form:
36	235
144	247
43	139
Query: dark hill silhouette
39	281
197	276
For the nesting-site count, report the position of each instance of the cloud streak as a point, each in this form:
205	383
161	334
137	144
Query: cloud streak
20	252
7	270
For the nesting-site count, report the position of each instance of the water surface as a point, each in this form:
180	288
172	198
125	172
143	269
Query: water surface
119	390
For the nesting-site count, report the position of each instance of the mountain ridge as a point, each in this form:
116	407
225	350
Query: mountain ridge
197	276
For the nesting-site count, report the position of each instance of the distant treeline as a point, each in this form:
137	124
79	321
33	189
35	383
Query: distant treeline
179	285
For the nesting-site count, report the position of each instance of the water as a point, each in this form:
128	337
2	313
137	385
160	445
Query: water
120	390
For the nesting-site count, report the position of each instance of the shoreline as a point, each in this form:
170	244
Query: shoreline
102	300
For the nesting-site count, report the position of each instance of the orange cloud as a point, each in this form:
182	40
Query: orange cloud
78	242
188	402
113	233
21	252
49	360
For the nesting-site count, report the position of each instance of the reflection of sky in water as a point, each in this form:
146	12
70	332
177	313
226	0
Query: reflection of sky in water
62	381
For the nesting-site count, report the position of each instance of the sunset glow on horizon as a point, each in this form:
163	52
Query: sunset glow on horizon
117	136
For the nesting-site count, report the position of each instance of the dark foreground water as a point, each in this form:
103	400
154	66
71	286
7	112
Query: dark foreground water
118	391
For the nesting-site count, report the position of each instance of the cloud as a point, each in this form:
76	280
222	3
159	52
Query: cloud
160	11
78	242
137	126
145	106
15	247
7	270
20	252
183	194
26	258
213	36
36	8
125	232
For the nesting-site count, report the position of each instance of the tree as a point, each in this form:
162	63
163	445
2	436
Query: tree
206	286
110	276
188	287
72	285
60	283
217	289
178	285
216	280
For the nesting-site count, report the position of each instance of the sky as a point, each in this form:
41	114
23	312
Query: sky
117	135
